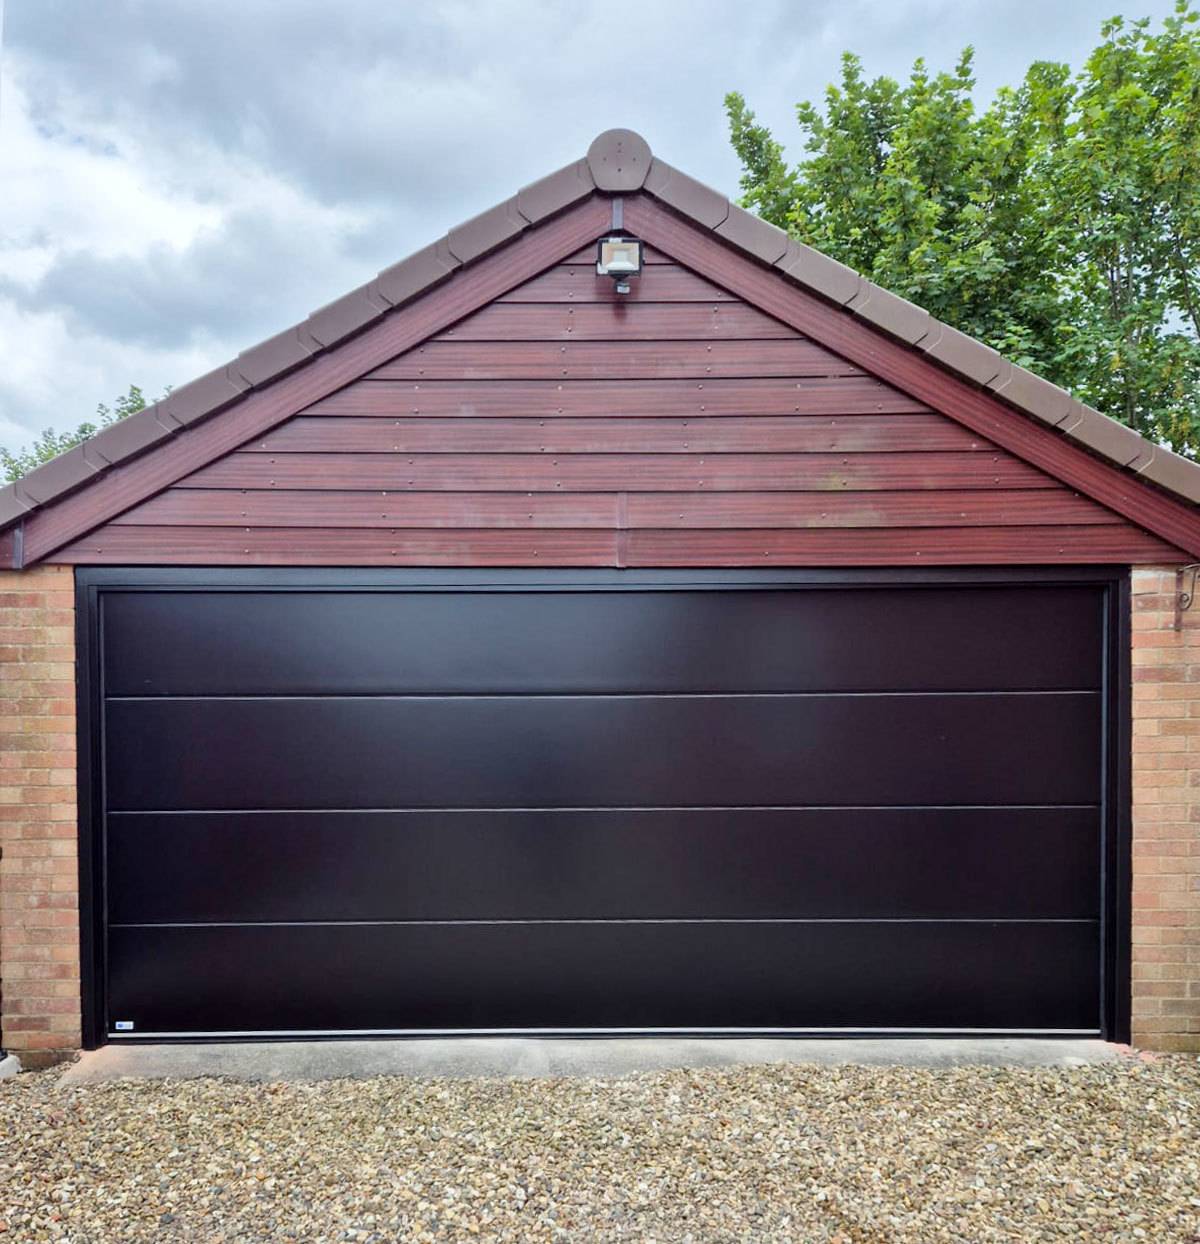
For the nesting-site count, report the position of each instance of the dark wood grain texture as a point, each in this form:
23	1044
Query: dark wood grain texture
221	507
637	321
621	434
604	360
576	283
332	546
932	546
620	472
838	395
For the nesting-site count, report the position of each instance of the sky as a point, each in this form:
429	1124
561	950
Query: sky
180	179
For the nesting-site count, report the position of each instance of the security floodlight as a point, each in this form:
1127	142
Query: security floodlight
619	258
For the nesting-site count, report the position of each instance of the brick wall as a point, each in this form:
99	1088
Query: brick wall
39	888
1166	816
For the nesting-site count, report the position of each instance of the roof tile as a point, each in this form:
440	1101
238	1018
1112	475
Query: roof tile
59	475
307	339
890	312
819	273
12	507
964	354
200	397
93	453
1173	472
131	435
416	274
619	161
1108	437
1075	416
1145	456
337	320
689	197
551	194
271	358
24	497
486	231
763	240
1036	396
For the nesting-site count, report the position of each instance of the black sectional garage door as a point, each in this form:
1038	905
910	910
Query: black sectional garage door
557	807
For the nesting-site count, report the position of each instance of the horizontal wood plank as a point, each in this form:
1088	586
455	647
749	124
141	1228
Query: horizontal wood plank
626	321
340	546
578	283
926	547
848	395
338	434
607	360
618	472
952	507
300	508
316	546
226	507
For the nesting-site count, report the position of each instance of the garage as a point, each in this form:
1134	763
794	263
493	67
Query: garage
603	805
726	647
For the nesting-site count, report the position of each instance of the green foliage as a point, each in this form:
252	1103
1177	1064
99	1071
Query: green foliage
1061	225
50	443
1121	167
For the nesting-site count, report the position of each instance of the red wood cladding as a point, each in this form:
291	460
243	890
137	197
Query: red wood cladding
908	370
818	547
587	256
562	424
919	508
532	253
464	472
837	395
602	360
632	321
333	546
931	546
575	283
566	434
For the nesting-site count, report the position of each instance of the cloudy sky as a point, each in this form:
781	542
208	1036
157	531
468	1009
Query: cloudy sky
181	178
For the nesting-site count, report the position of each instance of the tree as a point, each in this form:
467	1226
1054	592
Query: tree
1061	225
1121	167
14	464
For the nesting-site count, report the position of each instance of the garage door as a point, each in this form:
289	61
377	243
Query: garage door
549	806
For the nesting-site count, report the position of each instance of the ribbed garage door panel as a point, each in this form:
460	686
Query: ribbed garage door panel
605	975
1015	863
525	751
392	810
315	643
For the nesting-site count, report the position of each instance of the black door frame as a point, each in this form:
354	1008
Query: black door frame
91	583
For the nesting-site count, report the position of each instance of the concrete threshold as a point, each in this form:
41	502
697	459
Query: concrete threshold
551	1057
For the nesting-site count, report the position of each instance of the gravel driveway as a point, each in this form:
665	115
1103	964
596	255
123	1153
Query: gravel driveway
854	1155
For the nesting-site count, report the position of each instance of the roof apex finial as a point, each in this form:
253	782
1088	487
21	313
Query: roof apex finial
619	160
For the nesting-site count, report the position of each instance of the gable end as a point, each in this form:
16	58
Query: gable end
504	278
